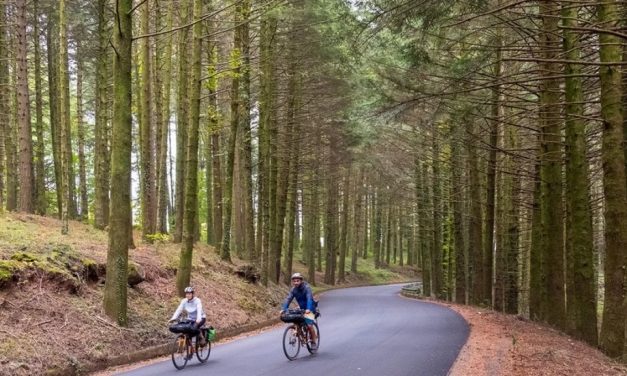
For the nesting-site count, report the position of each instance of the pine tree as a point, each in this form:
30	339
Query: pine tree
23	111
115	292
191	186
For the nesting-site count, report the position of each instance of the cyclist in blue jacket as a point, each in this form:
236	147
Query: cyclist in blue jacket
301	291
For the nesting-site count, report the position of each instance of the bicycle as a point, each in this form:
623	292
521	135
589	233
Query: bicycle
186	344
297	333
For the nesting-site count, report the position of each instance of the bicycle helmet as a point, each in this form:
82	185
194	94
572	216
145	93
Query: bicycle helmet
297	276
189	289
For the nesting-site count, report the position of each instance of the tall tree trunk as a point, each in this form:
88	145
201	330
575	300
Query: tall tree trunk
537	287
23	111
330	224
613	325
292	207
458	216
41	202
436	251
513	235
285	162
551	171
147	155
5	117
266	118
208	185
217	186
249	212
11	139
52	46
101	144
164	133
488	261
309	223
475	235
580	281
292	163
361	217
183	276
225	249
82	173
163	76
181	119
213	205
344	232
64	120
422	193
377	227
115	292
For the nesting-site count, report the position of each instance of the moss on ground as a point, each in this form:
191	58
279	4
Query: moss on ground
7	270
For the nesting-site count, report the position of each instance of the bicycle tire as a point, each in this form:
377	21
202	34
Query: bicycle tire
291	342
312	349
200	351
180	352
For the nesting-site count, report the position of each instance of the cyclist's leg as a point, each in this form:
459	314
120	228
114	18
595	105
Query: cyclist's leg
312	333
309	320
201	336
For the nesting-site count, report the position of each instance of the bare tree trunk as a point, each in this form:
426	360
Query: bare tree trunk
551	173
475	235
612	337
5	118
183	276
64	119
436	251
23	111
81	133
147	155
458	215
249	211
41	202
182	118
101	144
330	224
115	292
344	232
580	283
52	46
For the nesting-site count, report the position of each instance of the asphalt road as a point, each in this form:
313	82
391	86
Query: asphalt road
365	331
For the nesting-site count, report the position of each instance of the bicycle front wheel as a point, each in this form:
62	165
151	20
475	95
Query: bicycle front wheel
180	352
291	342
203	352
310	346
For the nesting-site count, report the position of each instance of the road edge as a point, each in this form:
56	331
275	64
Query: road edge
409	295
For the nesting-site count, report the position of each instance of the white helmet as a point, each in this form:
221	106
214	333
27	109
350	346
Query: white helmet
189	289
297	276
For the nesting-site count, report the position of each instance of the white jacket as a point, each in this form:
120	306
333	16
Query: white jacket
192	307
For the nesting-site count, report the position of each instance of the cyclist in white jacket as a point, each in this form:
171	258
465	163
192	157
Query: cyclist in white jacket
193	306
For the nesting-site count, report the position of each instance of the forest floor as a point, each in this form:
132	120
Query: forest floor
51	291
509	345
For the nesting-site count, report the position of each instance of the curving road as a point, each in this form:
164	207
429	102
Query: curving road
365	331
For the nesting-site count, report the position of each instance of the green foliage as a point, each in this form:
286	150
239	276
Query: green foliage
158	238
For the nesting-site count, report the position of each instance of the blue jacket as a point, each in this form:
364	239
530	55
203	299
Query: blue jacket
303	296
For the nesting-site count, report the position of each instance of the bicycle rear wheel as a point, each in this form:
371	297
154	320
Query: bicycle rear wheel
180	352
203	352
291	342
311	348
